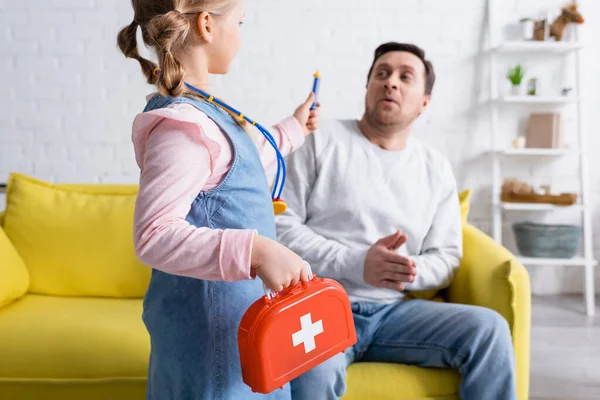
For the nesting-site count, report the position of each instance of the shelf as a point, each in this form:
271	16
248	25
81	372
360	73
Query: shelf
536	152
504	100
539	100
537	207
537	47
574	262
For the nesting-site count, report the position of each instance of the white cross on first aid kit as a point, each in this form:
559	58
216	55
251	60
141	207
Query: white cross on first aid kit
307	334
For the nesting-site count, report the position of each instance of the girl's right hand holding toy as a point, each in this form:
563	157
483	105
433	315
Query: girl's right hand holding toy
276	265
309	119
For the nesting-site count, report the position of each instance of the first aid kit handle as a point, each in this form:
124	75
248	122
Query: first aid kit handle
271	294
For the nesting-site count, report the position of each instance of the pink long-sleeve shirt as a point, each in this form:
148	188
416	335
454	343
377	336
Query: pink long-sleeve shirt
182	152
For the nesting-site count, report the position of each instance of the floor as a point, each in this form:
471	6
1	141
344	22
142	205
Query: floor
565	350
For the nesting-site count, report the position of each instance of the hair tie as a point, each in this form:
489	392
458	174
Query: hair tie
167	51
156	71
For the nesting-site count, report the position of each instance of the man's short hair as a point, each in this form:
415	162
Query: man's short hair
409	48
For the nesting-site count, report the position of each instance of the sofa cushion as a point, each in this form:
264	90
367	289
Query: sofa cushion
75	240
14	278
71	338
59	347
400	382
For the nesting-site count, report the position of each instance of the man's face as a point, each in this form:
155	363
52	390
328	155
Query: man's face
396	90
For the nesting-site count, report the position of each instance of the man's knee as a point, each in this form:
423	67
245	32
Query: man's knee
488	325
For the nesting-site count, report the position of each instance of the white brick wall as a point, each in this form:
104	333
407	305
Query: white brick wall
69	96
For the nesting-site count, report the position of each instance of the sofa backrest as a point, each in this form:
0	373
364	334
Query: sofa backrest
76	240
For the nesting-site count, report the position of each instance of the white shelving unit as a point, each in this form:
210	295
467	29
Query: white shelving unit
536	152
572	262
539	100
538	207
536	47
499	49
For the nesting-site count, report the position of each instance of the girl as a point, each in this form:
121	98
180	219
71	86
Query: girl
203	217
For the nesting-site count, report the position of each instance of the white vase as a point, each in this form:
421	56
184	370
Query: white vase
527	29
515	90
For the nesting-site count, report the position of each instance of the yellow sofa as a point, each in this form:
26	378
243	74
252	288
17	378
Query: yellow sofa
71	289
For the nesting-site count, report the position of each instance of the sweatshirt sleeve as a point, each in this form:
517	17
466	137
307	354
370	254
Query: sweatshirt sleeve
442	247
176	164
327	257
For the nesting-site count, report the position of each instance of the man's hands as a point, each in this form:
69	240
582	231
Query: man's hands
385	268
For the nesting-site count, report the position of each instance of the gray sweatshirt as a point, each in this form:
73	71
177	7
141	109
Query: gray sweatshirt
344	193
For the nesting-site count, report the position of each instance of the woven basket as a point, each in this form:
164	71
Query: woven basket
547	241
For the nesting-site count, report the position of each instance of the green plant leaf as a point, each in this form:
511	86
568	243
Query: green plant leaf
515	74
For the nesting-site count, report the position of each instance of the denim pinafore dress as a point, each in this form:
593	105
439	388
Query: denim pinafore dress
193	323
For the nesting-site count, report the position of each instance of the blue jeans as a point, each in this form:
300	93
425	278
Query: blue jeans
476	341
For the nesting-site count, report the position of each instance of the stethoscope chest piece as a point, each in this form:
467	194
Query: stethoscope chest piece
279	206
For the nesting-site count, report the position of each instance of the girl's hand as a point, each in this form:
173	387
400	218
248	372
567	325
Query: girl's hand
309	119
276	265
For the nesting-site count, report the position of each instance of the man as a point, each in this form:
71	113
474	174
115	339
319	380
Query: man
375	209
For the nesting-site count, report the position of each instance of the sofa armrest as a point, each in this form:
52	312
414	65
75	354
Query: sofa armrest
490	276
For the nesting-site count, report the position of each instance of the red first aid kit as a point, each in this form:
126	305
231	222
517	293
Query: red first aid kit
283	335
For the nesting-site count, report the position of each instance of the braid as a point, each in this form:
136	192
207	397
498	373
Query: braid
169	32
127	42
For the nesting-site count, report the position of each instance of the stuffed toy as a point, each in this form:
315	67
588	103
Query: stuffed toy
557	28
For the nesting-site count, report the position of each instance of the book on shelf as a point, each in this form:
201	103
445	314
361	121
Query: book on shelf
544	131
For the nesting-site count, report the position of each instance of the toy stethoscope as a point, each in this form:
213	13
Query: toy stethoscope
279	205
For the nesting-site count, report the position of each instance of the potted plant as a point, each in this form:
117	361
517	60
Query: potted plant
527	28
515	76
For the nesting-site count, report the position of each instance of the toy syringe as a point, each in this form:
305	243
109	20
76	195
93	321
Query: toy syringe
316	86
